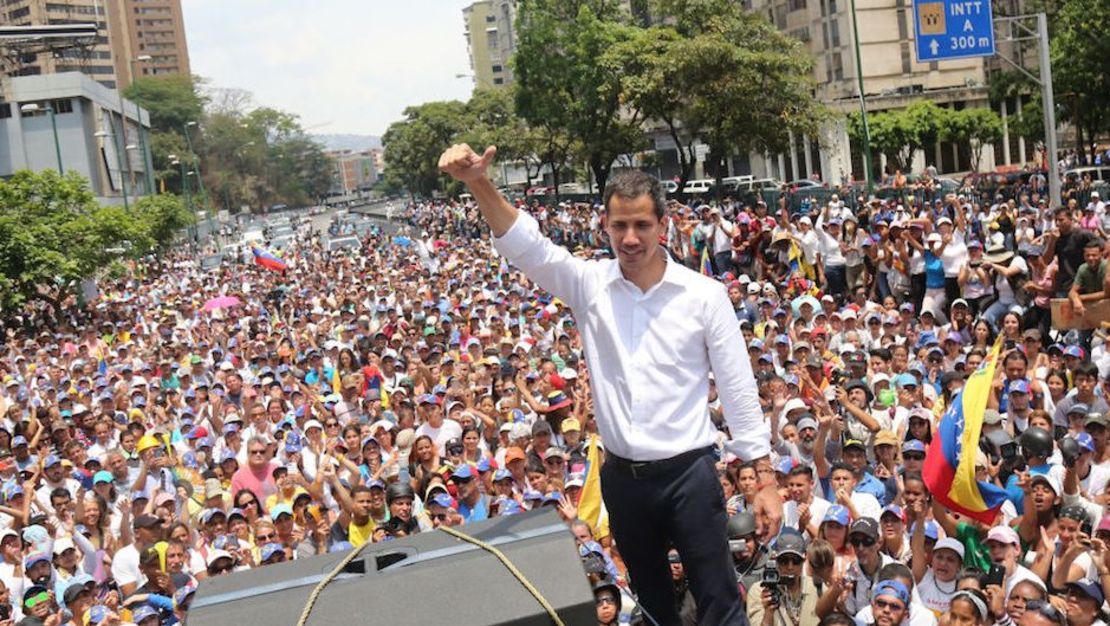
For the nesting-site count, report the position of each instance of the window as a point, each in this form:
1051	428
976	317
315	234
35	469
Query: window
906	67
496	68
825	34
834	32
838	66
797	5
801	34
832	7
780	17
491	19
5	110
62	105
491	40
499	81
18	13
902	28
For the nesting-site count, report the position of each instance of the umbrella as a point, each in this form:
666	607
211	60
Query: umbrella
222	302
402	241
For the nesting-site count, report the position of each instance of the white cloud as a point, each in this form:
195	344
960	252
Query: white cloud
351	66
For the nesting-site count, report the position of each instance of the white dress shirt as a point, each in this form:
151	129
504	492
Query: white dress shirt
650	353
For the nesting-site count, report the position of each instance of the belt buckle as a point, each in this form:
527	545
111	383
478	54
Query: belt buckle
634	466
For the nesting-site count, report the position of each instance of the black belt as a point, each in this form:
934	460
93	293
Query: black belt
645	469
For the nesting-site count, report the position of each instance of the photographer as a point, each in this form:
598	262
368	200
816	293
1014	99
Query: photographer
785	596
748	557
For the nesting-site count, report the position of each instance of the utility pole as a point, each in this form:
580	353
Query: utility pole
868	176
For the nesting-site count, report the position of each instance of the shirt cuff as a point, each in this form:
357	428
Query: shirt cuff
519	238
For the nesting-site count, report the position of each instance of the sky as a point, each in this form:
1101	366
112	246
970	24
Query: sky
343	66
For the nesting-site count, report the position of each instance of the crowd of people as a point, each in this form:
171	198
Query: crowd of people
149	441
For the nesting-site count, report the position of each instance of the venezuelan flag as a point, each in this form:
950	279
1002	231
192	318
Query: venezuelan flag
591	509
101	362
268	259
706	264
336	383
798	263
949	470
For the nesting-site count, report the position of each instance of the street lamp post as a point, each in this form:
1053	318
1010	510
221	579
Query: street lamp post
862	104
123	141
119	163
196	168
148	161
32	108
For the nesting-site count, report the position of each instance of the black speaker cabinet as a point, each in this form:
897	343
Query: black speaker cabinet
428	579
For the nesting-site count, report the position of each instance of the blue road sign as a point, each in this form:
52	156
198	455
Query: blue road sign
952	29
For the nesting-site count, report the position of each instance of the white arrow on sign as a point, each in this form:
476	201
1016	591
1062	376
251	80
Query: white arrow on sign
934	46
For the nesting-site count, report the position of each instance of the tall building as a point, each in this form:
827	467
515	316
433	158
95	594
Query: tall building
136	37
491	40
149	28
892	79
91	58
354	171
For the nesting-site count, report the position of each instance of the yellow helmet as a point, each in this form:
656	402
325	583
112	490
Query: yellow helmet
146	442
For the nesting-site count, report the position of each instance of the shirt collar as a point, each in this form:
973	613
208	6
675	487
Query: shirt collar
672	274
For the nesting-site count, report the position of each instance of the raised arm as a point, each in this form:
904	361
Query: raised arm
467	166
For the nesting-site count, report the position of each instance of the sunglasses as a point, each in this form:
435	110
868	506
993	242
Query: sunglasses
222	569
258	452
888	606
913	456
331	425
440	517
264	538
34	601
858	541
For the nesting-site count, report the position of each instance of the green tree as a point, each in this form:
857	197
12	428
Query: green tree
725	76
566	83
1080	51
900	133
53	234
163	216
414	144
171	100
975	128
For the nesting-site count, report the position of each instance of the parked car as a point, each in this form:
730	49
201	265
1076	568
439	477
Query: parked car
340	243
698	187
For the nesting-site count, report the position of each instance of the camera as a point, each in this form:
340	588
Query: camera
771	579
996	575
999	446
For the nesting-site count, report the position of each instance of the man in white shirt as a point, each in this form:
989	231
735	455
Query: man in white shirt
831	261
652	332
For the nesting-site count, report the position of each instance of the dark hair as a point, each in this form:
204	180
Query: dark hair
632	184
1087	368
841	465
357	489
897	569
802	470
1061	210
1094	242
974	574
257	504
836	619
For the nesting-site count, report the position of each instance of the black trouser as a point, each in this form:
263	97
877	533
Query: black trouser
951	292
681	505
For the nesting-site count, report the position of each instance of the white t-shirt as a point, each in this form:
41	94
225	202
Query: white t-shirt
867	505
817	509
1002	284
1021	573
448	431
829	247
125	567
936	595
954	256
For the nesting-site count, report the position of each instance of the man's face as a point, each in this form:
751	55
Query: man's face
888	610
634	231
363	501
1063	223
800	487
842	479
